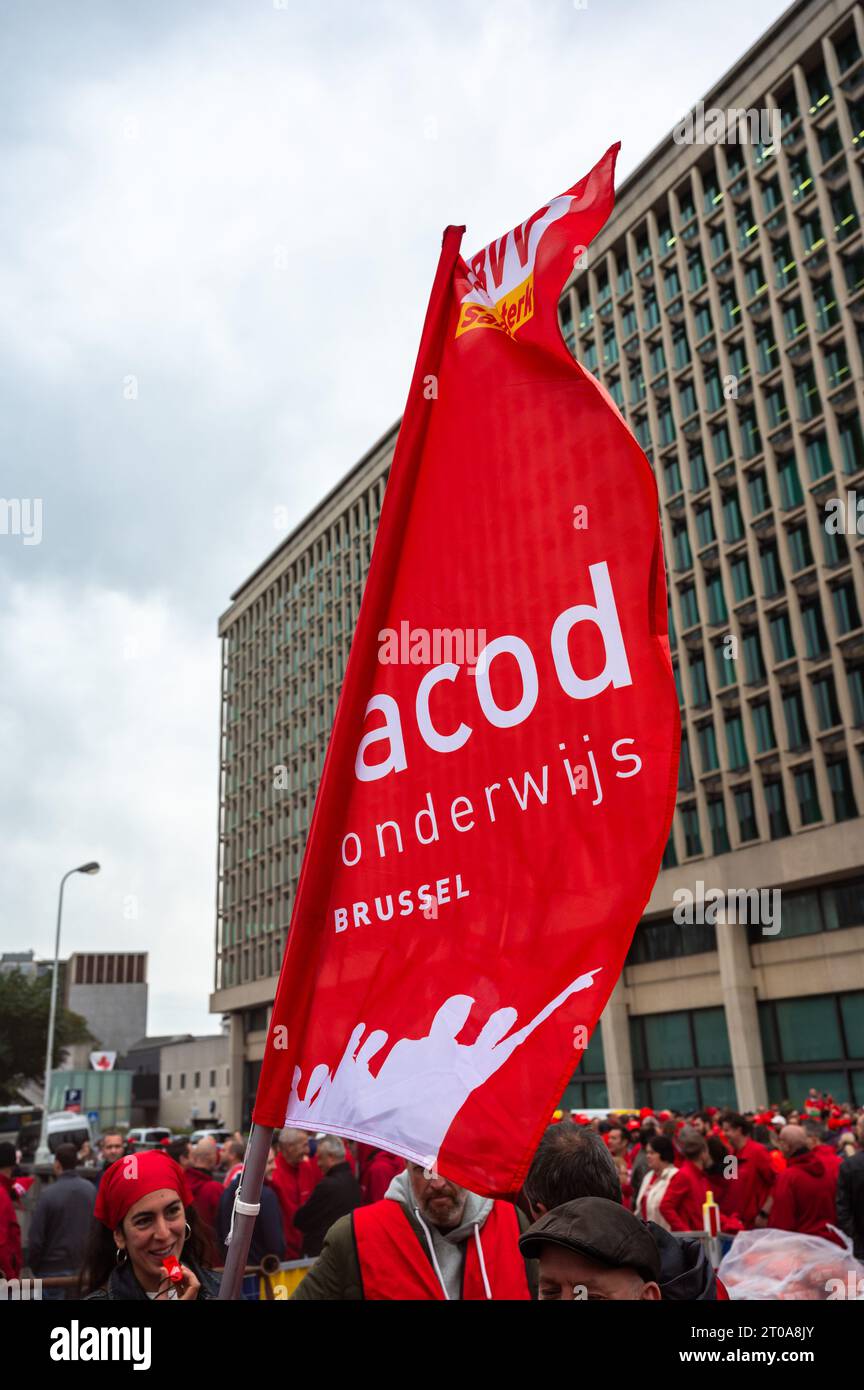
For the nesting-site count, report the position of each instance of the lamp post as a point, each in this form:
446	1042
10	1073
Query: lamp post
43	1153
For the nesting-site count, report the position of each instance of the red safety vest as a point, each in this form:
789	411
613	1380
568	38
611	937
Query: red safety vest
394	1266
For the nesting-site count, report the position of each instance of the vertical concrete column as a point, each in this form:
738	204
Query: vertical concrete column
616	1049
742	1019
235	1061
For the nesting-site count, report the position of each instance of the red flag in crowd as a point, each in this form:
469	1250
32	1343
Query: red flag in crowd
500	779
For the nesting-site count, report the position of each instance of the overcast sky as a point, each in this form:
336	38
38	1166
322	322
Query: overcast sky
220	223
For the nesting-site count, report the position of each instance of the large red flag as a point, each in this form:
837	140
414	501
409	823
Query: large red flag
501	774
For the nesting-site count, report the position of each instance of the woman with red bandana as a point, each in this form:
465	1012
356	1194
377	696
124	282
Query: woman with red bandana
144	1227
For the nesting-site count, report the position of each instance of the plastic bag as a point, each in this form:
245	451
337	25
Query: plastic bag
770	1264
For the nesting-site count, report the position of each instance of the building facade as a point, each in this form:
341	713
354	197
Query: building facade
195	1082
723	308
109	990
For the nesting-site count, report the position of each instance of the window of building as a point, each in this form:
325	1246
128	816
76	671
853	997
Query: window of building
772	575
721	444
745	812
717	610
690	825
775	405
844	213
736	747
685	767
587	1088
763	725
846	612
705	532
842	795
799	548
733	521
807	794
689	609
707	739
855	680
815	636
699	681
835	548
672	477
851	445
775	804
827	308
791	492
781	636
720	843
825	698
683	557
182	1081
698	472
836	366
754	664
682	1060
796	724
814	1042
757	489
742	584
724	666
766	349
703	321
168	1079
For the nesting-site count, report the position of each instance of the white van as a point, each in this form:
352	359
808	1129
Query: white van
68	1127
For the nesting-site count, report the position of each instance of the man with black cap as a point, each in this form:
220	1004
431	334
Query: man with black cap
573	1162
593	1250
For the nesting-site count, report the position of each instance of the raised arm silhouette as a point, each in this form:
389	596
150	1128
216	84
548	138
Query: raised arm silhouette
422	1083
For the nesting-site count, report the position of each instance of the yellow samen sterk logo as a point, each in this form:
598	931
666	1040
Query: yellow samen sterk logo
508	314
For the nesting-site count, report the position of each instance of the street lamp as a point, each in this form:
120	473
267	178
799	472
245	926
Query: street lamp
43	1153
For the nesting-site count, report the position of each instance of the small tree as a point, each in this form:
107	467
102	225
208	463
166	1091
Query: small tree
24	1008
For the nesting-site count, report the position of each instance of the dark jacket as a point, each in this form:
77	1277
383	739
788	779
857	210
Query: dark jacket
850	1201
123	1286
267	1234
685	1270
61	1226
337	1194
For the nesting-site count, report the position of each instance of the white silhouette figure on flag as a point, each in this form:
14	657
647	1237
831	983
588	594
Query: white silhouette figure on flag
423	1082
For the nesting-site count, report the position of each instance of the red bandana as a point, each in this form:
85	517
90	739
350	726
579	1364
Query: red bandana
131	1178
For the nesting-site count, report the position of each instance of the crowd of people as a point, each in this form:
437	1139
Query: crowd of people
611	1207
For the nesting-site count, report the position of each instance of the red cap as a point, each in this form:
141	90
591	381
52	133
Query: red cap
645	1112
129	1179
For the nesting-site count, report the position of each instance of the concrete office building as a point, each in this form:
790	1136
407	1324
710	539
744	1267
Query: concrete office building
109	990
195	1082
723	308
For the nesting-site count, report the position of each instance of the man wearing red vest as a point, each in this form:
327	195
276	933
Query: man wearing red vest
804	1195
745	1193
295	1177
427	1239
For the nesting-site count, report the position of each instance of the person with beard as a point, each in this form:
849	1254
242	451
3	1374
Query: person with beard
571	1163
427	1239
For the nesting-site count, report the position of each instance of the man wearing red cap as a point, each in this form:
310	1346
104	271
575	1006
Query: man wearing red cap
746	1190
144	1244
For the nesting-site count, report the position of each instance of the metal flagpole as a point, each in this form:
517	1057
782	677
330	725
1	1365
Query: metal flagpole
247	1204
